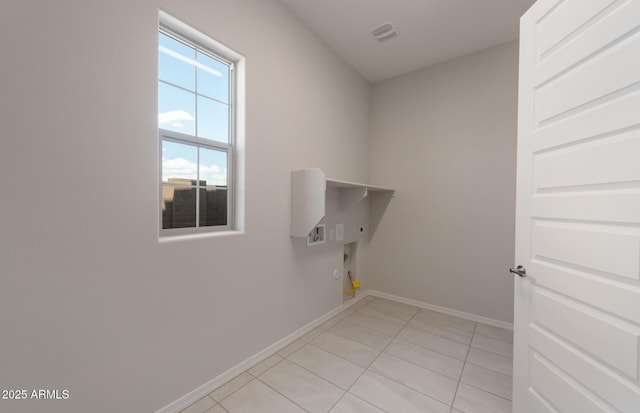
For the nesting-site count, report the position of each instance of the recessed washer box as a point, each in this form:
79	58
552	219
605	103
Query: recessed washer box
317	235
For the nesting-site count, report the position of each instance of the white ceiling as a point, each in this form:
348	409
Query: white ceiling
430	31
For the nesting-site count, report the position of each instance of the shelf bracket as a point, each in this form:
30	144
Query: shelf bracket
351	196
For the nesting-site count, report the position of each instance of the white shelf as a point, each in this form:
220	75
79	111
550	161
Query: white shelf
308	189
352	192
336	183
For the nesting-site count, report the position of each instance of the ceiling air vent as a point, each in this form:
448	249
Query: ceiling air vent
384	32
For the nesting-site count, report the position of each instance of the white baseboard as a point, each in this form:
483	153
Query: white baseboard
236	370
445	310
351	301
218	381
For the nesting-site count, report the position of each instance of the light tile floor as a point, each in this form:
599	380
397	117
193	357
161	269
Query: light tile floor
378	356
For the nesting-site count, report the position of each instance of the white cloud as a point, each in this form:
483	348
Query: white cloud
179	168
182	168
177	125
174	116
213	174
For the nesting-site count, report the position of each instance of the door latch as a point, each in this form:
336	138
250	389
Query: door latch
519	270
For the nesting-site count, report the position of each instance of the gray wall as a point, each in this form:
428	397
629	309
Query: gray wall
445	138
90	300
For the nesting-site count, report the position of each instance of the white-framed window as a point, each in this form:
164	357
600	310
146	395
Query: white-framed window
197	136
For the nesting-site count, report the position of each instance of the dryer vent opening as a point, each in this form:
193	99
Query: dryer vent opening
384	32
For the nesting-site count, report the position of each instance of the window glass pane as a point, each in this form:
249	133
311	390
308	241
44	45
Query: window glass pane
178	207
213	198
213	120
176	62
213	206
179	163
213	167
213	78
176	109
194	98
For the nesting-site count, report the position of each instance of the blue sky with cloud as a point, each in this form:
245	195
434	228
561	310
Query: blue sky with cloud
193	99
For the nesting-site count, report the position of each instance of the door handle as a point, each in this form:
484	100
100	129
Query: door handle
520	271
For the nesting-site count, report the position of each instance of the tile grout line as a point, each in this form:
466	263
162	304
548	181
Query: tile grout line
277	391
252	379
370	304
379	332
381	351
439	324
462	372
396	320
233	392
488	392
294	403
311	372
431	349
337	355
367	328
393	339
218	404
417	391
359	398
316	374
488	368
279	361
373	361
404	385
425	367
473	333
456	342
443	324
307	370
493	352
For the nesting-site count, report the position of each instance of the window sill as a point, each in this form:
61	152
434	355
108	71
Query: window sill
202	235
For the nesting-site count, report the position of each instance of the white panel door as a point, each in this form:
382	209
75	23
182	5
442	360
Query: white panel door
577	309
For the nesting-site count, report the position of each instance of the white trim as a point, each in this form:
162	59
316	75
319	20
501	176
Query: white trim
199	38
235	147
195	395
351	301
198	235
445	310
233	372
